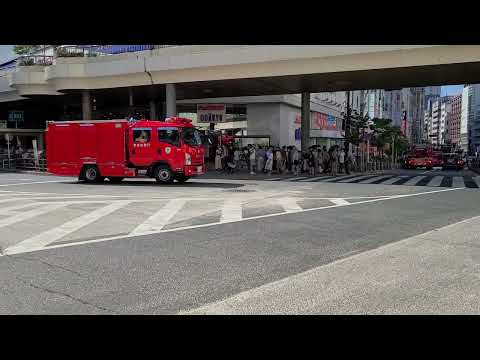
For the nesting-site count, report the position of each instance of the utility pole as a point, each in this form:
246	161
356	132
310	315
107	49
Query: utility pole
347	124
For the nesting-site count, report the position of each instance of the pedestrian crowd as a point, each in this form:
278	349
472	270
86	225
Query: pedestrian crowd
283	160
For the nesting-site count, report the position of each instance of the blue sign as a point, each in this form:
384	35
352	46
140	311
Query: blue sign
332	121
298	134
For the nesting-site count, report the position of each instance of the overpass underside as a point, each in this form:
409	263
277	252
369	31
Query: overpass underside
394	78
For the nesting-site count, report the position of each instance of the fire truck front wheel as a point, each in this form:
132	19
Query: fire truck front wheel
163	174
91	174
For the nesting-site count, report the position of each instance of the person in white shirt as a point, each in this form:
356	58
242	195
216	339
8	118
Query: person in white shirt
236	157
341	161
252	159
295	160
269	163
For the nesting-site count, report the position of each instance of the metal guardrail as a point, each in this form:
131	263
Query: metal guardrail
32	60
102	50
24	164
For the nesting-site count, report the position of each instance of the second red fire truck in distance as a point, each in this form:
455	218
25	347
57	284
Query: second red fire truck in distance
115	149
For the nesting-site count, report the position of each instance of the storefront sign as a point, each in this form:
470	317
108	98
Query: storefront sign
211	113
320	121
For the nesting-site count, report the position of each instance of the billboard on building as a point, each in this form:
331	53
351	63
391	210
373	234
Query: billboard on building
211	113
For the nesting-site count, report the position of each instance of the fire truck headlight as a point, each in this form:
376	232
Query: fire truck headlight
188	159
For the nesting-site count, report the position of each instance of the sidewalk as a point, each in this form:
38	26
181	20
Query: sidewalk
431	273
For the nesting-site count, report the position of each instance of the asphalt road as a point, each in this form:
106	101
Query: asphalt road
137	247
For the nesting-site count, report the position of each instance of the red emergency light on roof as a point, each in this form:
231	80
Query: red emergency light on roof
176	119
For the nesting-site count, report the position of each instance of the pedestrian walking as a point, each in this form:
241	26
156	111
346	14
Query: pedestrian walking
341	161
260	155
295	160
325	159
305	157
333	161
311	162
269	163
218	159
236	157
283	165
278	160
252	160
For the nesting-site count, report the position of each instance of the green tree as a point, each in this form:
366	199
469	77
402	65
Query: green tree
24	49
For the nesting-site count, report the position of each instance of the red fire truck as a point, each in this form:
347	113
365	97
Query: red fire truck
115	149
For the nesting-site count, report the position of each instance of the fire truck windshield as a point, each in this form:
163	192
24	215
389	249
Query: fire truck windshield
191	136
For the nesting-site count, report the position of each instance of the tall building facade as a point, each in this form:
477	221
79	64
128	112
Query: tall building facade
453	120
470	119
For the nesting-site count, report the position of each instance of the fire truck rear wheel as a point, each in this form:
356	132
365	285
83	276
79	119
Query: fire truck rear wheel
163	174
91	174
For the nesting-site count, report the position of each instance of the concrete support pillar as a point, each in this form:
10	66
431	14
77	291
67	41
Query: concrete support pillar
153	110
86	105
305	121
171	100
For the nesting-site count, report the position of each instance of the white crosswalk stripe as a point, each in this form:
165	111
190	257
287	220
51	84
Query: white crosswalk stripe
369	181
47	237
390	181
161	218
436	181
340	201
231	210
313	179
413	181
354	179
29	214
297	178
457	181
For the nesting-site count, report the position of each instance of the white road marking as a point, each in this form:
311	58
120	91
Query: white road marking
47	237
10	209
158	220
297	178
413	181
369	181
391	181
436	181
313	179
333	178
120	237
30	214
289	204
231	211
340	202
273	179
355	178
36	182
294	286
457	181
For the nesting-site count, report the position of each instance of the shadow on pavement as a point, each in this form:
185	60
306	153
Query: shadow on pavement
154	184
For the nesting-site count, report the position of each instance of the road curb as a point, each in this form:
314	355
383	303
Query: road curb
32	172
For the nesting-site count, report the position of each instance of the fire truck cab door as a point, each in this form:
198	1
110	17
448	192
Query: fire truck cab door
141	145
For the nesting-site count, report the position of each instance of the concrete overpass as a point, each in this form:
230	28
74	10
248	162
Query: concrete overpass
205	71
